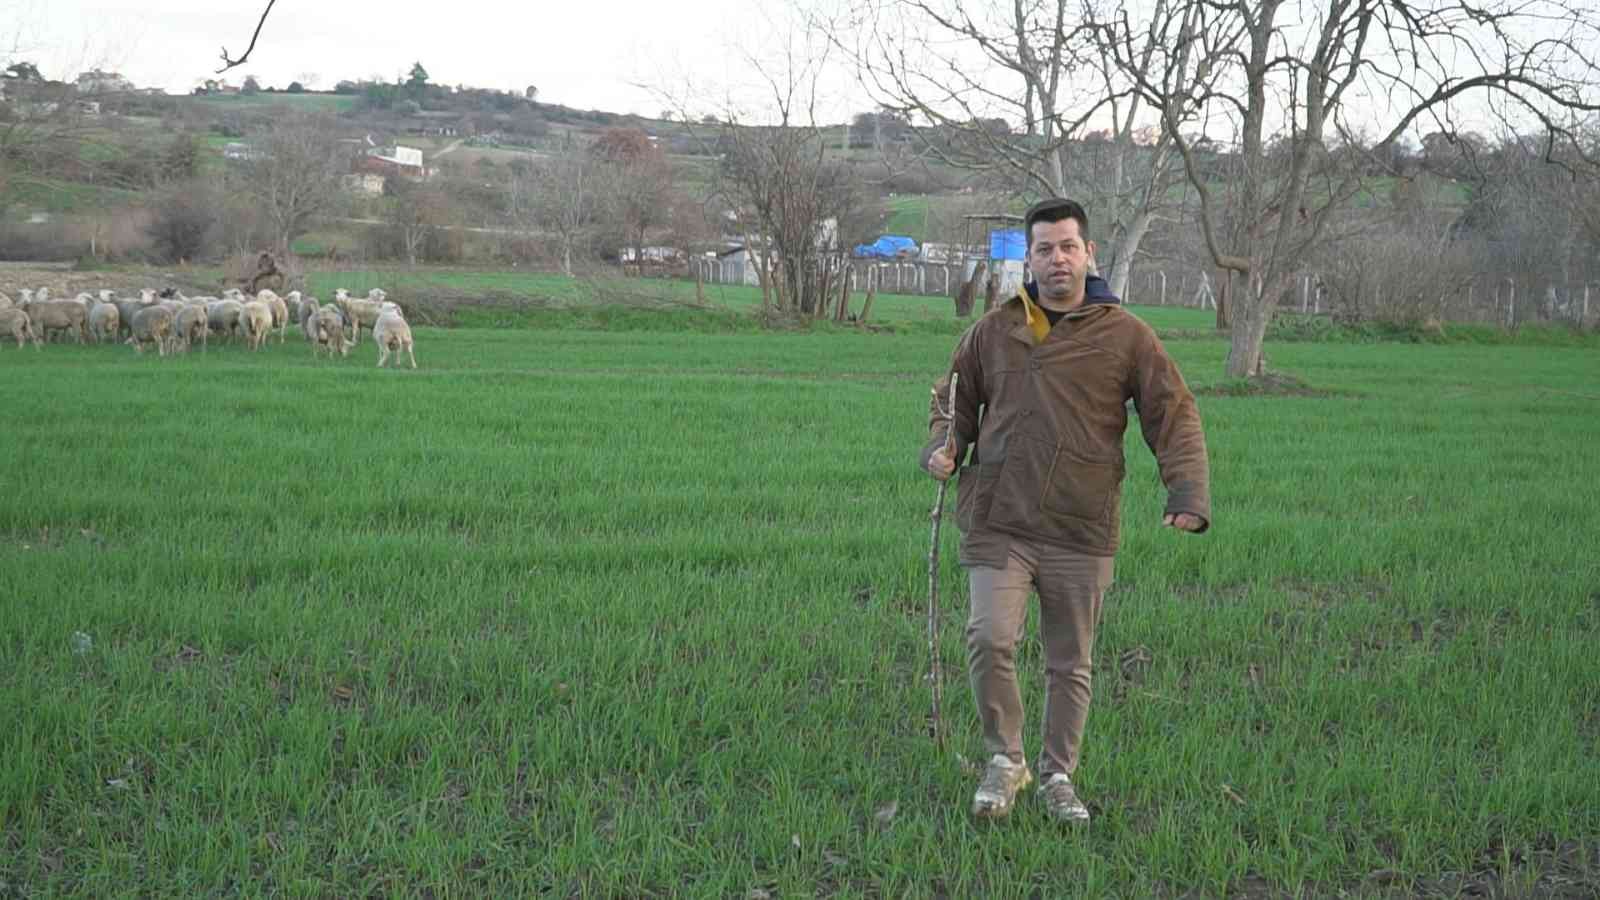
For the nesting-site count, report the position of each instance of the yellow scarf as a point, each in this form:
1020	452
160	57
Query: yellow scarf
1037	322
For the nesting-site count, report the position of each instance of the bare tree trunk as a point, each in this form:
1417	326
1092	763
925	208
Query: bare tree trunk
1123	267
1251	311
1223	298
1245	342
566	256
699	286
842	313
783	295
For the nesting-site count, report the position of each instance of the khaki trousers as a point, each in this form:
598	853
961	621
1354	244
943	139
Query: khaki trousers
1071	587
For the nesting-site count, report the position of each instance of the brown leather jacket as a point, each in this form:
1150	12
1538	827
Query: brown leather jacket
1048	416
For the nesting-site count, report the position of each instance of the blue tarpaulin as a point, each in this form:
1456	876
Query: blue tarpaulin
888	246
1008	243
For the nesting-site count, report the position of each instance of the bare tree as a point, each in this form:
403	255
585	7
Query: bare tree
1012	90
1301	83
636	182
558	196
416	210
293	175
789	202
776	187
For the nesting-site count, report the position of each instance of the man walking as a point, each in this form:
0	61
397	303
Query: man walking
1042	400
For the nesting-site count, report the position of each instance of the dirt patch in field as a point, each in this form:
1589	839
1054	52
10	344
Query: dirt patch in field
65	281
1270	384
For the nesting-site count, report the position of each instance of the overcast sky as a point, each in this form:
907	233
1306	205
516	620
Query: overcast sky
583	55
579	54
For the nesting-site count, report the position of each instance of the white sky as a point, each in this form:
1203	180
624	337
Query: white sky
577	54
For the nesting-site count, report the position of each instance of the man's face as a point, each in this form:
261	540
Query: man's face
1059	258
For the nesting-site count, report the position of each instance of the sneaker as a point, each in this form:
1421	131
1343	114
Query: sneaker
1002	778
1061	800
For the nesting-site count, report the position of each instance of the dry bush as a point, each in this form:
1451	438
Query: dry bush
1399	279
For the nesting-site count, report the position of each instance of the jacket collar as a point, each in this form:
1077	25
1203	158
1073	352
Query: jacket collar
1035	325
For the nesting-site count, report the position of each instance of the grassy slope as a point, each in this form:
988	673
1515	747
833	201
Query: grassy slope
314	102
618	613
57	196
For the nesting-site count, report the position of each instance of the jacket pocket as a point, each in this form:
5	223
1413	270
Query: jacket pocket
1079	488
1014	501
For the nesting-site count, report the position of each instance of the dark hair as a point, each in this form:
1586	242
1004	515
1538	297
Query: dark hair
1055	209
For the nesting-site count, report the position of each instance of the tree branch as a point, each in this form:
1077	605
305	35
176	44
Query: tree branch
227	62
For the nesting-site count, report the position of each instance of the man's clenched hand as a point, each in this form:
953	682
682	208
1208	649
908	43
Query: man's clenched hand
941	465
1183	521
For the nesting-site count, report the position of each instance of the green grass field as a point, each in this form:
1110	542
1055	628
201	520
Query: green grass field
263	100
568	297
57	196
629	613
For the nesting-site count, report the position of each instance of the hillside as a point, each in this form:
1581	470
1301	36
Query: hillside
475	140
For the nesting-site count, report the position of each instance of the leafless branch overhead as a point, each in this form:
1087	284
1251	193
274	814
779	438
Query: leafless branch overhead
227	61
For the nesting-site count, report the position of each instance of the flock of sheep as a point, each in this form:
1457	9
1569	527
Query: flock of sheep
173	323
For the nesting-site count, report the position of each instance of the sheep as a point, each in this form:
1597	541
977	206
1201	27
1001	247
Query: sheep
48	315
325	330
308	309
127	306
14	322
293	299
104	321
107	295
190	322
223	316
391	333
255	319
5	301
280	310
360	312
153	324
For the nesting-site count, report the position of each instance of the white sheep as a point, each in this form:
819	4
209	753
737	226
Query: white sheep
359	312
152	324
48	315
5	302
14	322
255	319
391	333
127	306
308	309
191	322
104	322
326	331
224	317
280	310
293	299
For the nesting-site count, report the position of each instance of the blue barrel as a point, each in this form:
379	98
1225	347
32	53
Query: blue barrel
1008	244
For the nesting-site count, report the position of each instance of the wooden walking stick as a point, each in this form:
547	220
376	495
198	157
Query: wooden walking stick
936	673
